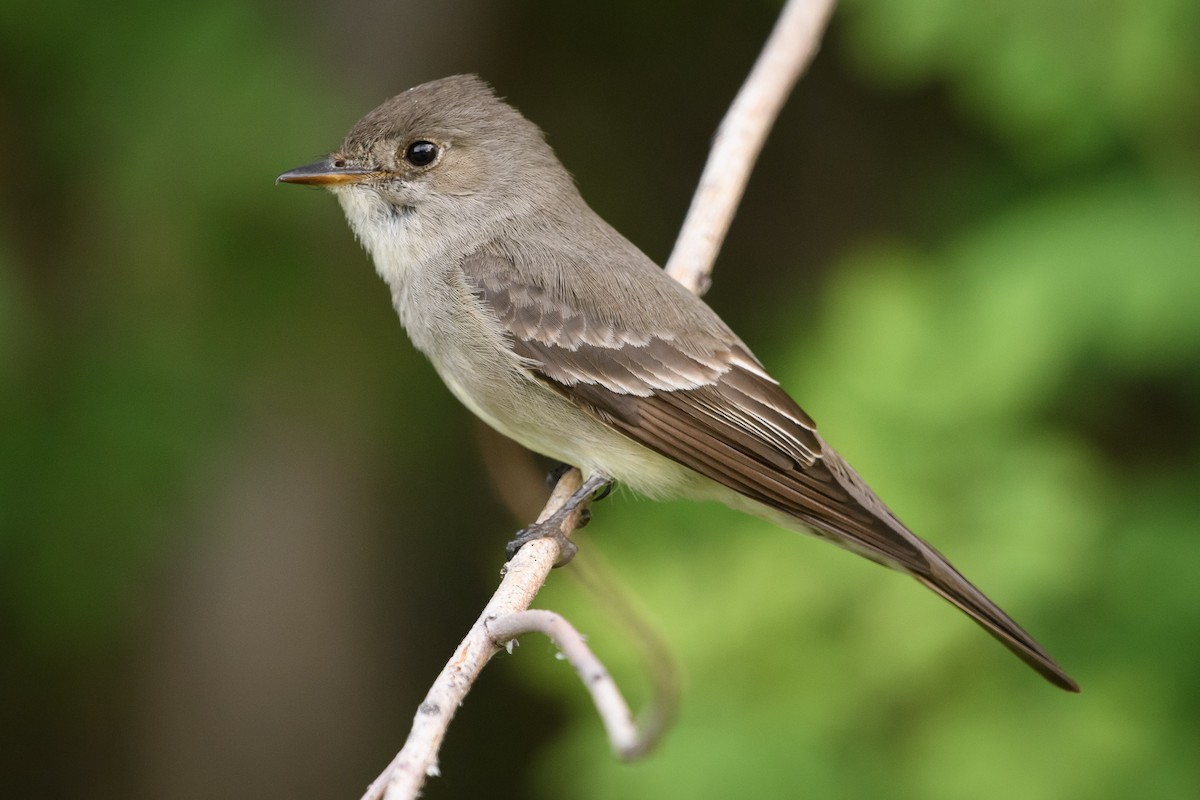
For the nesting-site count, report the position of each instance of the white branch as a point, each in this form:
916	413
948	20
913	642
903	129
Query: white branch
614	711
791	46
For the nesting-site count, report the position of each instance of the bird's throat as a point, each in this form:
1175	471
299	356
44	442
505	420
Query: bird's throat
391	233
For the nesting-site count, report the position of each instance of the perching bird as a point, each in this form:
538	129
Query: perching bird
558	332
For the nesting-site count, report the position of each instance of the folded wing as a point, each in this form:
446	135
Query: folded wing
705	402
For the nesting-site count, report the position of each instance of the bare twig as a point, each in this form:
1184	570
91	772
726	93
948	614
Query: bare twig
655	656
614	711
792	45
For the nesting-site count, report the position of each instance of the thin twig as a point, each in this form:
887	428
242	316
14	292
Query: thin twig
791	46
655	656
614	711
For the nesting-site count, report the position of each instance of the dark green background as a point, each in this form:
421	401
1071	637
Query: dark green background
242	524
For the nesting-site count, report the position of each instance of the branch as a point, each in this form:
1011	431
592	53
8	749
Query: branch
623	734
791	46
655	655
523	577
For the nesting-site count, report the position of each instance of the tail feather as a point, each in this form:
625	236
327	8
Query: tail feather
948	583
882	537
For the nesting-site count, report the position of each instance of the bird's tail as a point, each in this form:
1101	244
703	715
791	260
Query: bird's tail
946	581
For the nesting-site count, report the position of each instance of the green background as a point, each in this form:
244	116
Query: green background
242	524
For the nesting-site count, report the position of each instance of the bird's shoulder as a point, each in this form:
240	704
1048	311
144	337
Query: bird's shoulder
588	272
603	314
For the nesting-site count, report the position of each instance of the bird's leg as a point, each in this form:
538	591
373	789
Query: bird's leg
585	515
560	468
551	527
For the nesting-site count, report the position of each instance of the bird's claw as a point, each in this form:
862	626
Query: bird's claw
544	530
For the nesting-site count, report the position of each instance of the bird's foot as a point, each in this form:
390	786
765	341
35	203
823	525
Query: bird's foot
551	527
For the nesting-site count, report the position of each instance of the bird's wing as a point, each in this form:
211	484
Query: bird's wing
705	403
708	404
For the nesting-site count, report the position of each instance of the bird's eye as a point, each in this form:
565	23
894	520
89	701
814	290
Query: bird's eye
421	153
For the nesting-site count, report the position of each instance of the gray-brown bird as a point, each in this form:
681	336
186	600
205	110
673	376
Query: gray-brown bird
558	332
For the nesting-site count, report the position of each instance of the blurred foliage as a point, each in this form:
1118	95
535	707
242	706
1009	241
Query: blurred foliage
1060	82
971	252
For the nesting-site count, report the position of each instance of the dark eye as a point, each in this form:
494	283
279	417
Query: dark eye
421	154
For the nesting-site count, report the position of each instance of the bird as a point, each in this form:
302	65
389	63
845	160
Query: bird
558	332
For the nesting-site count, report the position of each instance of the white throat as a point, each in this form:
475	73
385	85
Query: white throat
395	238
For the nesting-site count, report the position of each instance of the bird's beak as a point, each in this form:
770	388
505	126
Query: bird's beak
326	172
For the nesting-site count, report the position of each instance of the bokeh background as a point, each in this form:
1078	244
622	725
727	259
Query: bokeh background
242	524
